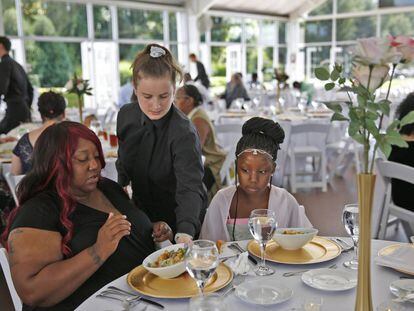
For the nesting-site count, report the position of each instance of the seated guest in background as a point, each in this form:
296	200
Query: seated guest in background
52	109
74	231
402	192
205	94
188	100
255	84
234	89
228	213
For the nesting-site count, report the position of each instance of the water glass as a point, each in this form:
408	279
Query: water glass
312	304
262	226
350	219
390	306
201	261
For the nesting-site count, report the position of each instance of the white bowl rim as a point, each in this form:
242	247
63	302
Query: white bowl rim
278	231
159	252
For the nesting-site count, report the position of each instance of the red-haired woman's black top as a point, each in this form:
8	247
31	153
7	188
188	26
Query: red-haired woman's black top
42	212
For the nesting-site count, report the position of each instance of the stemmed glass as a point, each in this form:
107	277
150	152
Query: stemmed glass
201	261
350	219
262	225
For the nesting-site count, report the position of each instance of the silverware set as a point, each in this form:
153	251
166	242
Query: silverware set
236	247
128	299
293	273
345	246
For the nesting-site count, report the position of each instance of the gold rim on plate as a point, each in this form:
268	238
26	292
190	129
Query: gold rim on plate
318	250
388	250
182	286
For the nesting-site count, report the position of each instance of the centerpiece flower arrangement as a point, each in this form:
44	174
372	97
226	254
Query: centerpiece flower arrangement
80	87
281	78
374	63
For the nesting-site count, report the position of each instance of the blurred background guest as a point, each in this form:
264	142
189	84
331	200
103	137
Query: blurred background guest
52	109
188	100
201	71
16	89
402	192
234	89
254	83
306	90
125	93
204	92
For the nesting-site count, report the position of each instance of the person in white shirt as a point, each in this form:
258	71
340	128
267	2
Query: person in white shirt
205	94
227	216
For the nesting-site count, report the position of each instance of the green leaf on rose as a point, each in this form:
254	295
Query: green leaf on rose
338	117
342	80
385	148
408	119
398	141
393	125
353	128
334	107
338	67
334	75
359	138
362	101
322	73
329	86
371	127
371	115
384	106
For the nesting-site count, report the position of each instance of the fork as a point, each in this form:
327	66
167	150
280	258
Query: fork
235	246
127	304
293	273
119	291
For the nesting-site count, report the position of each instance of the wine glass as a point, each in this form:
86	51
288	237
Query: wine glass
262	225
350	219
201	261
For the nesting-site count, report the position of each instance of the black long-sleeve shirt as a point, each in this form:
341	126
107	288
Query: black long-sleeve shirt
202	75
14	83
173	190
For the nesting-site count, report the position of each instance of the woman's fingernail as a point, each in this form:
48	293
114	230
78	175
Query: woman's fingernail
124	216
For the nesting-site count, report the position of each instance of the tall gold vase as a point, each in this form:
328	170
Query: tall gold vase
366	184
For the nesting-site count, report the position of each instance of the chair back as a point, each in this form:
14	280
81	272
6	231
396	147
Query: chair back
282	156
388	170
4	261
225	171
12	182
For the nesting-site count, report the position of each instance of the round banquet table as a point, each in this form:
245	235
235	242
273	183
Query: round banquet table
339	301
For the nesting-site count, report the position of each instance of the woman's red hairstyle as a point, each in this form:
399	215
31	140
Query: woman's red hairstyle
52	170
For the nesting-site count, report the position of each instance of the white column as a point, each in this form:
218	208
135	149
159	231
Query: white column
1	20
295	65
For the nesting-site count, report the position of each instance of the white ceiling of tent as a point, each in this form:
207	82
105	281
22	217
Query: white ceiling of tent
268	7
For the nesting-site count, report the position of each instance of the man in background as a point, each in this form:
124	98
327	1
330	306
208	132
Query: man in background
201	71
15	89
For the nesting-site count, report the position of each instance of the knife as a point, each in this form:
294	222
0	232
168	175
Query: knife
238	247
154	303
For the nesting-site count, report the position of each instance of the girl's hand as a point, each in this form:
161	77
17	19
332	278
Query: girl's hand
112	231
161	232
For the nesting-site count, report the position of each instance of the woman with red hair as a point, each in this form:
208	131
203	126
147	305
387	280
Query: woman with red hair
74	231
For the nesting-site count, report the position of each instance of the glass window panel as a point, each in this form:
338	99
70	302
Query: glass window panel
251	60
356	5
225	29
252	30
323	9
172	21
53	63
218	67
396	24
268	32
9	17
282	58
316	57
318	31
174	51
267	69
140	24
343	56
391	3
354	28
282	32
44	18
203	37
127	53
102	22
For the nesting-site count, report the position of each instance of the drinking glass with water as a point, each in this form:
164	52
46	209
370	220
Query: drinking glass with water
350	219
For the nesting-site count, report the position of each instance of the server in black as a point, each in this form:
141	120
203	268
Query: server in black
15	89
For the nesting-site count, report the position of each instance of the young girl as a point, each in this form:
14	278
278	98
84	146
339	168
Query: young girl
229	211
159	149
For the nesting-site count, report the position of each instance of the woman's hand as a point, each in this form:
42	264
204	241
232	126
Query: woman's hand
161	232
112	231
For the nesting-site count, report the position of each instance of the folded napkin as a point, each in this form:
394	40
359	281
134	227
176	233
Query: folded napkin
402	259
240	264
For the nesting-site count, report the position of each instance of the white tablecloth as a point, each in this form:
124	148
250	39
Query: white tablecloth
337	301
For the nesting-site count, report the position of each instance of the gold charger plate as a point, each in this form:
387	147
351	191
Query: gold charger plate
388	250
318	250
182	286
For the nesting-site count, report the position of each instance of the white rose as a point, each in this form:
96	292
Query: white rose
375	51
379	75
80	86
